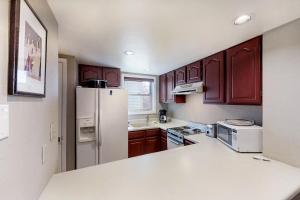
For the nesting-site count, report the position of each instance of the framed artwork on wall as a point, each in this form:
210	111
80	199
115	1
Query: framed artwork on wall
27	53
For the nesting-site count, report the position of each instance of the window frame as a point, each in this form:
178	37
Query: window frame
154	92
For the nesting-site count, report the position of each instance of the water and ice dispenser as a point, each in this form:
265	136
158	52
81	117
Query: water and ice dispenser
86	129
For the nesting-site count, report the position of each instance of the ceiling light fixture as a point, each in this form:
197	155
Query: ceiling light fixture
128	52
242	19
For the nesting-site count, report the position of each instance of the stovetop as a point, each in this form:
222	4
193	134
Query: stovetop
186	130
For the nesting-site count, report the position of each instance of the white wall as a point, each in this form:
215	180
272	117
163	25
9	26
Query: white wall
195	110
281	86
22	175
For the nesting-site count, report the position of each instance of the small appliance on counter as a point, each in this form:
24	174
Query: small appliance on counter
94	83
162	116
211	130
243	136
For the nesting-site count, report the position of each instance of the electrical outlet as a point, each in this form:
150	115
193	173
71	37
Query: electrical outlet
44	147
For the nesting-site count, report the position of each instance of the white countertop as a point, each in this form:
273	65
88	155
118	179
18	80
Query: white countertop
154	124
207	170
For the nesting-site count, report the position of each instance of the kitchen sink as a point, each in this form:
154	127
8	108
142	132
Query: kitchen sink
143	125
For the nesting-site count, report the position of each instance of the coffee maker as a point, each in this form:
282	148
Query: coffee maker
162	116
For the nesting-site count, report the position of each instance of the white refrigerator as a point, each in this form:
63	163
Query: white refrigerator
102	126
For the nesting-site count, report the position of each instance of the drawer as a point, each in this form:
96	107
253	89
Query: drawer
152	132
136	134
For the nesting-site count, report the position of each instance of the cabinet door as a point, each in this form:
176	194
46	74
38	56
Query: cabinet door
136	147
180	76
88	72
112	75
170	86
163	144
213	78
187	142
152	144
162	88
244	73
194	72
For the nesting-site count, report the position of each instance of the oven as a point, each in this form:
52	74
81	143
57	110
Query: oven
174	140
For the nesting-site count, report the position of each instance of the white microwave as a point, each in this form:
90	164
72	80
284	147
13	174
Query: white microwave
241	138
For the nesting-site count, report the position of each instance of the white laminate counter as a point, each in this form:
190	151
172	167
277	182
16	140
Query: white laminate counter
171	124
207	170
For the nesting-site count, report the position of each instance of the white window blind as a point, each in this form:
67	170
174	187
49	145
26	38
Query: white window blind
140	95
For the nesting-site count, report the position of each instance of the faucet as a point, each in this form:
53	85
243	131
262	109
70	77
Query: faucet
147	119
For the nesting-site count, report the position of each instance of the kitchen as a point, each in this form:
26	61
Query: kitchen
126	114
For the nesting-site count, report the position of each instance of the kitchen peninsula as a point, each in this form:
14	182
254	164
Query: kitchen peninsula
206	170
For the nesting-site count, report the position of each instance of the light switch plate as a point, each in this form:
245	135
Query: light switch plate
52	131
44	153
4	121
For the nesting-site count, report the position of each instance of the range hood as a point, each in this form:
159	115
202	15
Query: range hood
188	88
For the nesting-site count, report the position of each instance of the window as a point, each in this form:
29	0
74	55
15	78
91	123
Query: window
141	94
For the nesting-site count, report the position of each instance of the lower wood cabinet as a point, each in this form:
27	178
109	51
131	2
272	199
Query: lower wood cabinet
146	141
187	142
136	147
163	142
152	144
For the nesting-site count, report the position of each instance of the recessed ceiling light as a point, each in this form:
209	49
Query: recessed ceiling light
128	52
242	19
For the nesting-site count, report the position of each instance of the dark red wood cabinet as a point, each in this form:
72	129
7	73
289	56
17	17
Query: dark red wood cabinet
162	88
170	86
163	142
88	72
194	72
144	142
244	73
170	98
136	147
180	76
214	78
112	75
187	142
152	144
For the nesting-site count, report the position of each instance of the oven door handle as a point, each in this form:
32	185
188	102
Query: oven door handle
173	141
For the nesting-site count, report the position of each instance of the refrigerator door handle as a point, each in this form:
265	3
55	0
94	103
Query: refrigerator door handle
97	126
100	136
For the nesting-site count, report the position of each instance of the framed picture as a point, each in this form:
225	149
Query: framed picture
27	53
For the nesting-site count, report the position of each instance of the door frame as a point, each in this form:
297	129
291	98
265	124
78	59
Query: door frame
62	84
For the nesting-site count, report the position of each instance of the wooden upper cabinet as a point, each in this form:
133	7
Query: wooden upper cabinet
180	76
170	98
170	86
112	75
162	88
88	72
194	72
244	73
214	78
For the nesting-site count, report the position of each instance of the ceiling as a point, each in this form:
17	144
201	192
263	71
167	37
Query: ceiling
164	34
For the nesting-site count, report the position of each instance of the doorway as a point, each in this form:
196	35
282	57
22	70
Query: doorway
62	97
